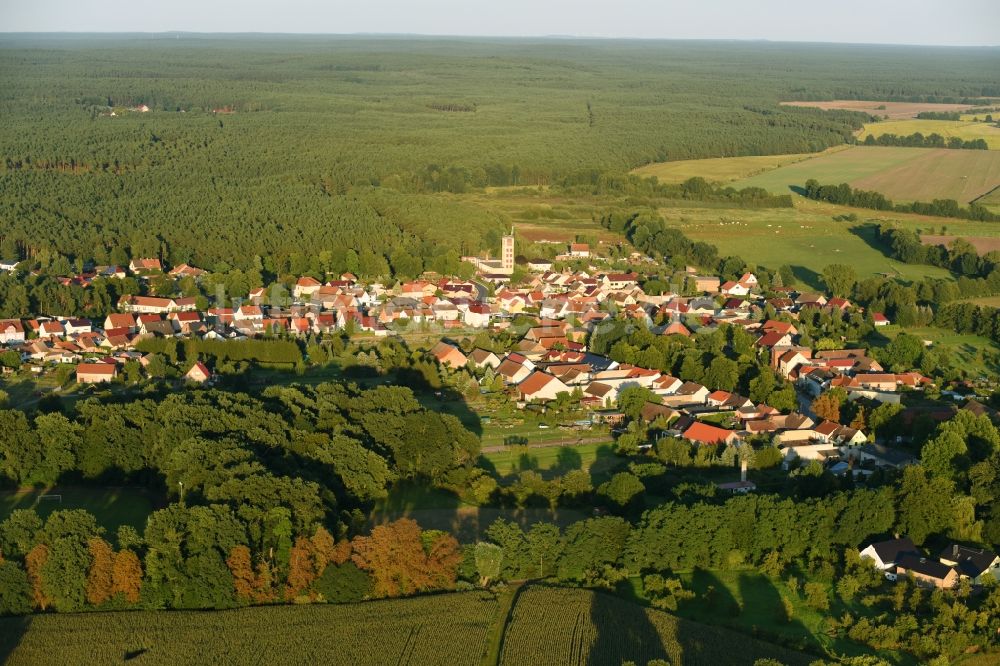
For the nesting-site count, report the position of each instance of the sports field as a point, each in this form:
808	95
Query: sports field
111	506
965	130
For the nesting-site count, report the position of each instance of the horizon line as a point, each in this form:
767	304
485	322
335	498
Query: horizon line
546	37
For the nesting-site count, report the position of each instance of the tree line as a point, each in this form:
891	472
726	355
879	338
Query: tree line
933	140
845	195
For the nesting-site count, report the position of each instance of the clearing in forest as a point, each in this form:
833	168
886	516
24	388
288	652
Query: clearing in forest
881	109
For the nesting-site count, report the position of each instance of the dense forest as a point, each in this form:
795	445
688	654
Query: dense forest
254	154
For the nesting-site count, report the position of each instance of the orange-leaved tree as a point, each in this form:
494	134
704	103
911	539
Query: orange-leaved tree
34	561
100	573
126	575
403	560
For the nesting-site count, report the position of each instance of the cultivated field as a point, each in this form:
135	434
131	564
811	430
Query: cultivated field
569	627
903	174
962	175
841	167
891	109
547	626
443	629
964	130
967	131
723	169
991	199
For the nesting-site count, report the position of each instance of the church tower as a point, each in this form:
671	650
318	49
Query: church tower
507	253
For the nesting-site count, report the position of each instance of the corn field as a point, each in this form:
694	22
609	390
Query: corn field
570	627
442	629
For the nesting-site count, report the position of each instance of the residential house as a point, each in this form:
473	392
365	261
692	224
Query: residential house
972	563
705	434
198	373
117	320
885	554
579	250
731	288
882	456
541	386
707	284
927	572
449	355
51	328
143	266
484	358
11	332
95	373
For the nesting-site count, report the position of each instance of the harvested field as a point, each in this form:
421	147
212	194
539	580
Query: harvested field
723	169
902	174
983	245
962	175
894	110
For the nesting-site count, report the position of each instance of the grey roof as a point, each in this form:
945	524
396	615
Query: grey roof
971	562
922	565
892	550
892	456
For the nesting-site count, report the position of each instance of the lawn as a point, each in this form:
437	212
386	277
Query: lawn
963	129
598	459
111	506
723	169
438	509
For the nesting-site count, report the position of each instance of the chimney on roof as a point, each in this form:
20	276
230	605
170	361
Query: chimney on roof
743	470
954	550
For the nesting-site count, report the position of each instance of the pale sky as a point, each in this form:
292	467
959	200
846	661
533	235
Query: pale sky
969	22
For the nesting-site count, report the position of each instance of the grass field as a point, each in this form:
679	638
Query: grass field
557	459
723	169
965	130
876	108
111	506
975	354
990	301
438	509
558	627
442	629
805	237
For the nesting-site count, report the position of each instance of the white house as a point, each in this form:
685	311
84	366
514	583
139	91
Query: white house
885	554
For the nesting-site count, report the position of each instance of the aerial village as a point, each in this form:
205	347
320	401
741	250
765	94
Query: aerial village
550	358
